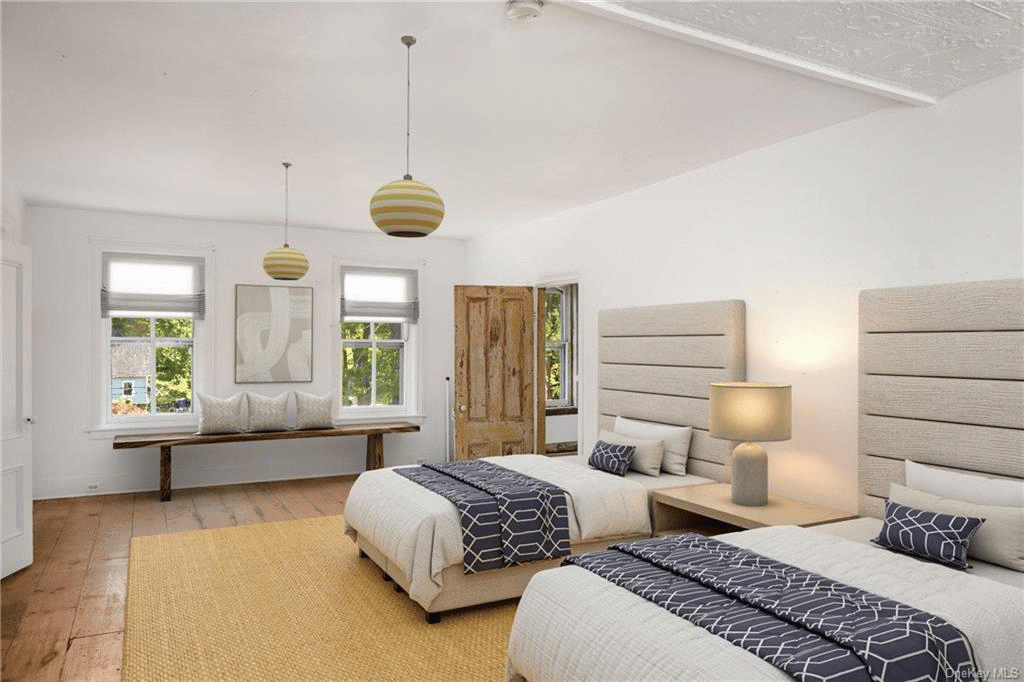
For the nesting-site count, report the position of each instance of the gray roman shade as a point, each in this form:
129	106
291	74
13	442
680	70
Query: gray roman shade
379	293
149	285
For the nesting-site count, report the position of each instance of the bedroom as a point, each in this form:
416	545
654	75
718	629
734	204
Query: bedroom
896	195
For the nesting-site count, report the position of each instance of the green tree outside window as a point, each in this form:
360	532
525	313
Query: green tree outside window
371	364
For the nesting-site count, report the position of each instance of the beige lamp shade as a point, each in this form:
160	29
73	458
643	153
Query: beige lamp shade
286	263
406	208
747	411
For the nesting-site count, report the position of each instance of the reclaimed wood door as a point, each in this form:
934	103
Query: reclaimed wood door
495	390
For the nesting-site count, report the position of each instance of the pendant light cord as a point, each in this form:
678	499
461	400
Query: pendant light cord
286	167
408	41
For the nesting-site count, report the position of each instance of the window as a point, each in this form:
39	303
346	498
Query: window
155	355
379	312
152	308
560	345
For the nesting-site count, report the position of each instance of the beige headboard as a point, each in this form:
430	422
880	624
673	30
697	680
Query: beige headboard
941	382
655	364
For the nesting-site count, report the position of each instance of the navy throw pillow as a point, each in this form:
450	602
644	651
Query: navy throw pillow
611	457
930	535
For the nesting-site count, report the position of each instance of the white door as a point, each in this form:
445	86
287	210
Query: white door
16	406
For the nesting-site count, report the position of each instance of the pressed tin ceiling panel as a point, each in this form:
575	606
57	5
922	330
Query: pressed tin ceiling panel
925	48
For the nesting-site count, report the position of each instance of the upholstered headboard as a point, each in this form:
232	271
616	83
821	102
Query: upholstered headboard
655	364
941	382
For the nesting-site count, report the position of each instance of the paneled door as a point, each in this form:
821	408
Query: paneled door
15	408
495	400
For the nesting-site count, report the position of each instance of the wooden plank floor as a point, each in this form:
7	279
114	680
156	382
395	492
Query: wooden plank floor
63	616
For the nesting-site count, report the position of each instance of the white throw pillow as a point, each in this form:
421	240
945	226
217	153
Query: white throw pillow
313	411
268	414
1000	540
647	454
675	440
220	415
957	485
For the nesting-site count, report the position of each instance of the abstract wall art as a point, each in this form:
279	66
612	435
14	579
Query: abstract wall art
273	334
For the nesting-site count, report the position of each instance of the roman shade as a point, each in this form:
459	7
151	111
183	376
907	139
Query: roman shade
379	294
151	285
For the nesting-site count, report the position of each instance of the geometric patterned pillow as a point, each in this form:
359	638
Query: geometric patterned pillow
611	457
313	411
930	535
220	415
268	414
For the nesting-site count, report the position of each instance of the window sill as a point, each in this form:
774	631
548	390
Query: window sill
555	411
378	418
108	431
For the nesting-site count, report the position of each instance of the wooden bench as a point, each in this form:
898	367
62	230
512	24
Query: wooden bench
165	441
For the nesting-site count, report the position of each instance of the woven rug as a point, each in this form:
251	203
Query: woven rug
290	600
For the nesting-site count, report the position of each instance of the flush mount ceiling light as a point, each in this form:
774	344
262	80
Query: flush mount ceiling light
523	10
406	207
285	262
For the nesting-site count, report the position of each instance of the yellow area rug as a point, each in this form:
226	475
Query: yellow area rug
290	600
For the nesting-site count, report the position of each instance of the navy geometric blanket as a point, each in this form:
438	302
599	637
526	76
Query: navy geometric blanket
811	627
507	518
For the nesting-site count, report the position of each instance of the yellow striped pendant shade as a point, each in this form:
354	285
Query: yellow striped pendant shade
406	208
285	263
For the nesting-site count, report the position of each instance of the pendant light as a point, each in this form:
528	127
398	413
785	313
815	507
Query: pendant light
407	207
285	262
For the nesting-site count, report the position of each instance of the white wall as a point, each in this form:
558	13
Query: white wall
903	196
13	217
561	428
68	456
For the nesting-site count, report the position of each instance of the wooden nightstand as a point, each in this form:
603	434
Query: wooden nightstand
709	509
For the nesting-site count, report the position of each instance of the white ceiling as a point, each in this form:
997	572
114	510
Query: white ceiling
189	109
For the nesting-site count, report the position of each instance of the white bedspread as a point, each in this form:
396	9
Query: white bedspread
419	531
571	624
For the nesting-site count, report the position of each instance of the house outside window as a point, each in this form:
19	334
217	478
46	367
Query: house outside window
379	315
152	315
150	365
560	345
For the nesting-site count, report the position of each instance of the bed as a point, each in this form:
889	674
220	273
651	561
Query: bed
941	401
655	366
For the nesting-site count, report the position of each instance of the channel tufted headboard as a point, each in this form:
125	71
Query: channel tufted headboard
655	364
941	382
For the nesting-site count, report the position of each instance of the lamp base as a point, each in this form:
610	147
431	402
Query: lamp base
749	475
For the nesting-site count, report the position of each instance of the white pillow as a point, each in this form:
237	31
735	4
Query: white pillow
957	485
268	414
646	453
1000	540
220	415
675	439
313	411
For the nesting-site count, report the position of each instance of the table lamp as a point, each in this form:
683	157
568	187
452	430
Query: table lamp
747	411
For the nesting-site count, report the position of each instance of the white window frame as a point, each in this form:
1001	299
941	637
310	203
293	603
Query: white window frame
568	345
153	342
202	340
412	396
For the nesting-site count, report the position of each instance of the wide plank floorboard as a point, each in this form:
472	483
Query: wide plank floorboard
63	616
50	515
180	512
